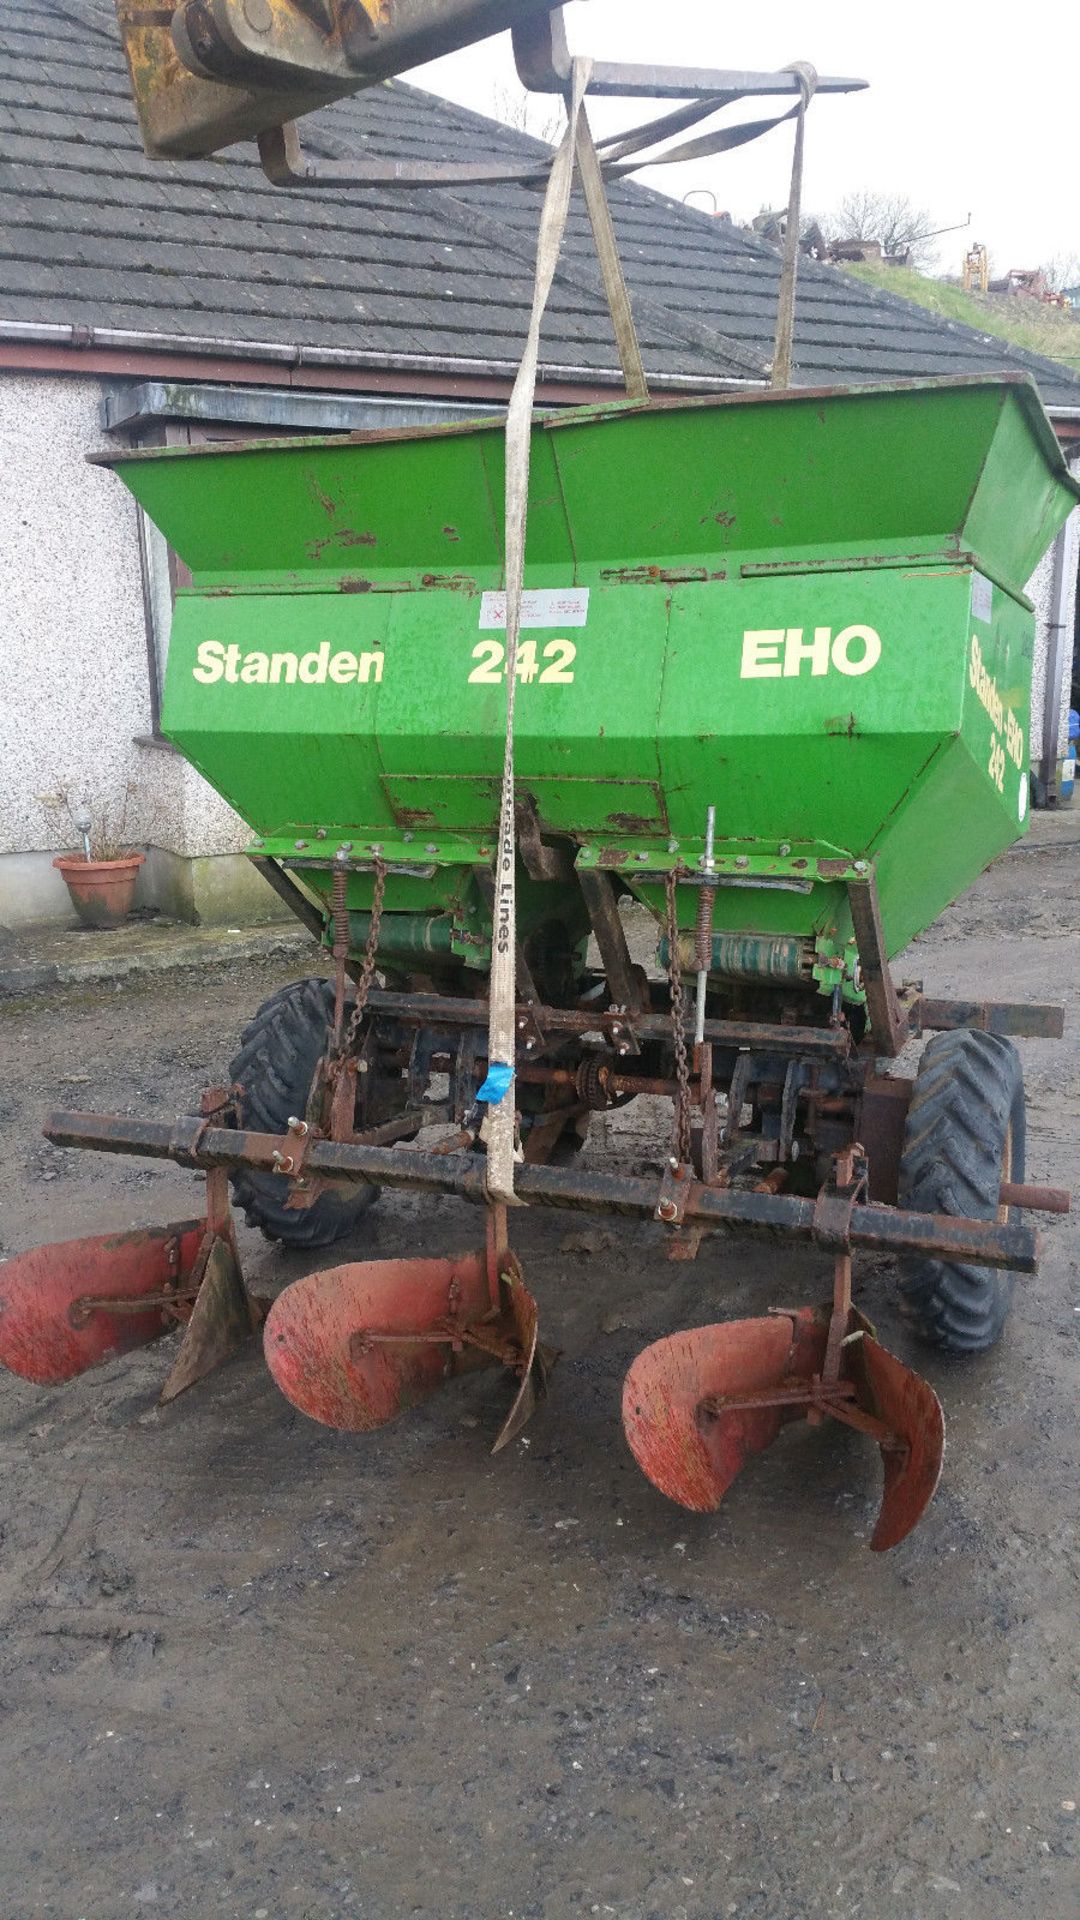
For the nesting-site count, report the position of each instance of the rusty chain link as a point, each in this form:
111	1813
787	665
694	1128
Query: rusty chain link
681	1134
367	967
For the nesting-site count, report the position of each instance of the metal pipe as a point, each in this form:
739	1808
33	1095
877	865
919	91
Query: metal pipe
878	1229
1036	1199
613	1082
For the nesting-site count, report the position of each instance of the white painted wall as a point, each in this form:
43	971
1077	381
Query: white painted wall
1040	590
73	664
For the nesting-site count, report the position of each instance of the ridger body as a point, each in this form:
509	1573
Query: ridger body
773	681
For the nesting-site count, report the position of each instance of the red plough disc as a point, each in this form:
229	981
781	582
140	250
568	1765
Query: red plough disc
47	1338
318	1346
692	1455
694	1460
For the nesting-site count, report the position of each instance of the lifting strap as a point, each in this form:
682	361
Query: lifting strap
789	267
498	1088
594	165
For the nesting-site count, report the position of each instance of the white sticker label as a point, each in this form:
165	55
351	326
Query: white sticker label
982	598
1022	798
540	607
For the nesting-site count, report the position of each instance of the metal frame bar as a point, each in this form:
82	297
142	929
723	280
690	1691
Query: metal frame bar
765	1036
193	1143
1028	1020
542	56
888	1021
598	891
310	916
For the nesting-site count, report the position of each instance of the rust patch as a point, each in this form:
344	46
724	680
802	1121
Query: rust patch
452	533
326	500
613	856
449	582
414	816
353	583
344	537
650	576
831	869
144	1236
630	823
841	724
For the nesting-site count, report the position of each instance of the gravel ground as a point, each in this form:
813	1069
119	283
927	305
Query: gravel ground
255	1669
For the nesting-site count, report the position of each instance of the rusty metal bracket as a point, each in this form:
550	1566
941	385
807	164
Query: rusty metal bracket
620	1031
1029	1020
540	862
736	1099
627	984
530	1036
186	1138
835	1205
675	1189
888	1021
834	1212
794	1077
881	1118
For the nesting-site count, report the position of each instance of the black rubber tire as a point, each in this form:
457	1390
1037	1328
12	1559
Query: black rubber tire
279	1052
965	1126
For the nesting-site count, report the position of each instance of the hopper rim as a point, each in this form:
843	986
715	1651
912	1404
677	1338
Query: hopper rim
600	413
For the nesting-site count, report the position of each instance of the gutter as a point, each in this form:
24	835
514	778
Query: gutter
62	334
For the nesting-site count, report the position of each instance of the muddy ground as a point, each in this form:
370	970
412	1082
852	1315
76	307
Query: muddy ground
255	1669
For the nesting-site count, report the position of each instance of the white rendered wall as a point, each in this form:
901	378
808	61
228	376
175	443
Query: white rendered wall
73	663
1040	590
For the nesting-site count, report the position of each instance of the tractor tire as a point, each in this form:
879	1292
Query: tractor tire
279	1052
965	1134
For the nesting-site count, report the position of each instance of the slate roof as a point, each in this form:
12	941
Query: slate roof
93	233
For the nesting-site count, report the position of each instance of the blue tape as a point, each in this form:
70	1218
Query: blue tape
497	1083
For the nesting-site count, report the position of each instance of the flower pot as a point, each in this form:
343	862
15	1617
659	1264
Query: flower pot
101	890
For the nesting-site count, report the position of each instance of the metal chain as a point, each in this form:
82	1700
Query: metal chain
681	1133
367	968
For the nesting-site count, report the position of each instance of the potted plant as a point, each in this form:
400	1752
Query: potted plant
101	879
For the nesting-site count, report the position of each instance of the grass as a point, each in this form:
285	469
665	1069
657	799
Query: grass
1052	331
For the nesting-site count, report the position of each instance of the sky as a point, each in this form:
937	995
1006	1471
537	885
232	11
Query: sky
970	110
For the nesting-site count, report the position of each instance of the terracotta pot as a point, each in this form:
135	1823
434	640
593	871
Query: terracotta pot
101	890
